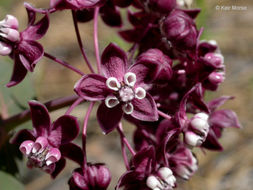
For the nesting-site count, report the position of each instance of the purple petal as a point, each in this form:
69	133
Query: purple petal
145	72
145	109
132	180
30	13
18	74
111	14
132	35
193	13
64	130
92	87
212	142
22	136
30	53
224	119
72	152
85	15
214	104
114	62
109	118
40	118
58	167
36	31
143	159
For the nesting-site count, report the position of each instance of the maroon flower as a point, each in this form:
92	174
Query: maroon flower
180	29
92	177
44	145
22	46
182	162
218	120
146	173
121	88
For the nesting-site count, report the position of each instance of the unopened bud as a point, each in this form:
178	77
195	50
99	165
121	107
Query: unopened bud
216	59
216	78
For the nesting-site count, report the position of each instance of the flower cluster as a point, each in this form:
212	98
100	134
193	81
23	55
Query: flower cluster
159	86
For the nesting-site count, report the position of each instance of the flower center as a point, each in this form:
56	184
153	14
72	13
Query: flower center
126	94
40	154
38	159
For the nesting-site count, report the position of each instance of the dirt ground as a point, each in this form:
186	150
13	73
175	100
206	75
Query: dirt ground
228	170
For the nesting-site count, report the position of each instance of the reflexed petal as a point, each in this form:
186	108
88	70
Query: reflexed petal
72	152
30	53
36	31
92	87
212	142
58	167
109	118
22	136
18	74
145	109
214	104
64	130
114	62
224	119
144	159
40	118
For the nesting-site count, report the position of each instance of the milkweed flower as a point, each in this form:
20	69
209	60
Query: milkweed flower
43	145
121	89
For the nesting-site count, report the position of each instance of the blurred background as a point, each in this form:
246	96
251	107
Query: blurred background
233	30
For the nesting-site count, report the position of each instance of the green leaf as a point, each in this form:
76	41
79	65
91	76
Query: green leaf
7	182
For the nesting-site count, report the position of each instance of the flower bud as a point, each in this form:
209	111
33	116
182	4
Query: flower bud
180	30
95	177
162	6
215	59
101	175
216	78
